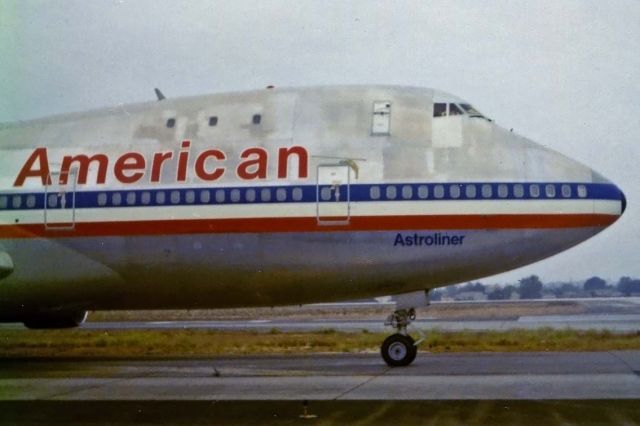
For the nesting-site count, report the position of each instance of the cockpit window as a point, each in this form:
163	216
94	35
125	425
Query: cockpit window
442	109
439	110
454	110
471	111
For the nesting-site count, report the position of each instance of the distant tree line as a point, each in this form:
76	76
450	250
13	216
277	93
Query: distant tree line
627	286
532	287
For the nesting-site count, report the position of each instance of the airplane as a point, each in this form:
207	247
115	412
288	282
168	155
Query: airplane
278	196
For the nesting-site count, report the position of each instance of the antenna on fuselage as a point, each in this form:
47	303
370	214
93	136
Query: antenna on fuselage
159	94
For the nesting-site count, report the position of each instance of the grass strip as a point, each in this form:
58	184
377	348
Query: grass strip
199	343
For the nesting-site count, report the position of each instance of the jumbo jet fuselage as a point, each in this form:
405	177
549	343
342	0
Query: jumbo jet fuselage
277	196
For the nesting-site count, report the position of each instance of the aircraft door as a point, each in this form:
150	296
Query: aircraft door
60	201
333	194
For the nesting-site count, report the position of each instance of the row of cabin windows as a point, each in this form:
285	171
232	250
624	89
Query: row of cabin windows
392	192
477	191
213	121
17	200
203	196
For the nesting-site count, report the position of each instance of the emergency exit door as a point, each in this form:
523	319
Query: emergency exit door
333	194
60	201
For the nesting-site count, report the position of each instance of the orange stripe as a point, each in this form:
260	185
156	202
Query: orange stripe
310	224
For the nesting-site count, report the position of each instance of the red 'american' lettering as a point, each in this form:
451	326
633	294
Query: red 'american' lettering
131	167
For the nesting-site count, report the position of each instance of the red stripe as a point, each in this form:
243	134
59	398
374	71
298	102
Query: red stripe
310	224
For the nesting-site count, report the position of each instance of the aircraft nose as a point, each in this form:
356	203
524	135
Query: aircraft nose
616	193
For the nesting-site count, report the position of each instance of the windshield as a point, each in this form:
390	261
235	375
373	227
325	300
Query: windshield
471	111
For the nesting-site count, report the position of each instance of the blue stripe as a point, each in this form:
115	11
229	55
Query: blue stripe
309	193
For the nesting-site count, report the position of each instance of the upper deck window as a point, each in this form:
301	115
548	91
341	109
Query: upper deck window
213	120
257	118
171	123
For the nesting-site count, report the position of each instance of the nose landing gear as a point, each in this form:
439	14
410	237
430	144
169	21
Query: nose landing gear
399	349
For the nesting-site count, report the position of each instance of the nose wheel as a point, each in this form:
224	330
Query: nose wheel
399	349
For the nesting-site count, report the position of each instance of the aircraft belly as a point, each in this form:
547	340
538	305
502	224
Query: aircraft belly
227	270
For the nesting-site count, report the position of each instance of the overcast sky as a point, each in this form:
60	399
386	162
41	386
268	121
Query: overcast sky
563	73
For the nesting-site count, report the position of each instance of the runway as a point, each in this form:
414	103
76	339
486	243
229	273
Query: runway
477	376
590	388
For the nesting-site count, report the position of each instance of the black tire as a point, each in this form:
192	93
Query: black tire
398	350
53	321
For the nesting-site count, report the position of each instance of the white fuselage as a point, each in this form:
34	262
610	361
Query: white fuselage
280	196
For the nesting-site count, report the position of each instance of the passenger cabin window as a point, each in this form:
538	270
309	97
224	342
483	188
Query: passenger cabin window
250	195
503	191
205	196
171	123
175	197
454	191
470	191
235	195
53	200
160	197
374	192
16	202
438	191
145	197
407	192
550	190
518	190
265	194
534	191
296	194
257	118
131	198
190	197
391	192
487	191
3	202
423	191
582	191
325	193
213	120
31	201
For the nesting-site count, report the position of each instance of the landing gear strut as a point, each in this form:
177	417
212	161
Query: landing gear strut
399	350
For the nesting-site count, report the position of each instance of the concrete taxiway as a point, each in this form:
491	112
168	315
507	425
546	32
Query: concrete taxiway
483	376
